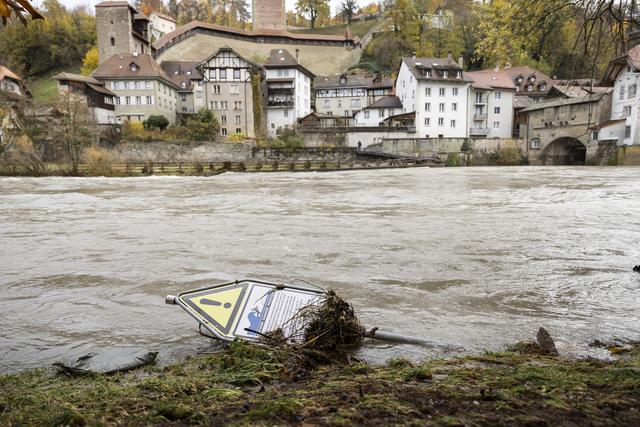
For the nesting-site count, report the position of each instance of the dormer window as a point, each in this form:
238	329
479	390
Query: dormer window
519	79
183	84
542	87
427	73
459	75
530	88
134	67
445	74
532	79
343	79
517	88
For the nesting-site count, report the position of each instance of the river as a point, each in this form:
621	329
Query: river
481	257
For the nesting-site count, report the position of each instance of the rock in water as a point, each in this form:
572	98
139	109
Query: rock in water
546	342
636	268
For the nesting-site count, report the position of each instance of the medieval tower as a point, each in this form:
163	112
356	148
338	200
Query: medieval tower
269	15
121	29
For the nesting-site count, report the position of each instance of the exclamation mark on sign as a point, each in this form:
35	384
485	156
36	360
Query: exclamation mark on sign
207	301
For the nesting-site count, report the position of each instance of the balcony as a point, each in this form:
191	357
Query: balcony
479	132
481	100
482	116
280	104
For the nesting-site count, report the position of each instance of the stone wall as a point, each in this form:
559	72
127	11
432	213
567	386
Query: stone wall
629	155
168	152
319	58
349	137
414	147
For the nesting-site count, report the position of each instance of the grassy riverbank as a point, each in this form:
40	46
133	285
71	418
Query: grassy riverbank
249	385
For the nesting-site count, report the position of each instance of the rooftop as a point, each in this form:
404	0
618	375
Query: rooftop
281	58
119	66
5	72
385	102
437	66
352	80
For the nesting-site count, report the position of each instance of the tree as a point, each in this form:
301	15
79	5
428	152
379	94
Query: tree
312	9
203	126
156	122
90	61
17	7
349	8
71	127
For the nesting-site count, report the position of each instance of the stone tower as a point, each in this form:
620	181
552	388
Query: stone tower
121	29
269	15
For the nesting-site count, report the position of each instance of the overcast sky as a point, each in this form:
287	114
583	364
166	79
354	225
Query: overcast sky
290	3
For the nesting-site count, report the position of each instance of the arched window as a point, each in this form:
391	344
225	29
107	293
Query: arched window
542	86
530	88
517	88
113	41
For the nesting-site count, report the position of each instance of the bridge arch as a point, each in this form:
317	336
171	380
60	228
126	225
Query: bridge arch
565	150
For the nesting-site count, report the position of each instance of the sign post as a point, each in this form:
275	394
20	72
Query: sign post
246	309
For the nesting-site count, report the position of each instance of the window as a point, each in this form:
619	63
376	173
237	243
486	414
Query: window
535	143
236	74
238	130
454	107
127	100
453	123
427	122
126	85
117	100
594	135
216	89
223	74
427	91
381	113
427	106
530	88
238	119
223	119
459	75
183	97
224	105
627	131
138	100
199	94
443	91
346	113
113	41
133	66
223	131
149	100
286	112
366	114
455	91
496	125
497	95
148	84
441	122
626	111
445	74
234	89
237	105
496	110
139	84
441	107
621	92
633	89
355	103
427	73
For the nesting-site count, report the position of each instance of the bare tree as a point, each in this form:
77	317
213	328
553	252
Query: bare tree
72	128
18	8
349	8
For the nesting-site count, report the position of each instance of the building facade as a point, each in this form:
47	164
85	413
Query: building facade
160	24
437	90
491	101
228	92
345	95
99	100
624	74
376	113
12	86
288	91
142	89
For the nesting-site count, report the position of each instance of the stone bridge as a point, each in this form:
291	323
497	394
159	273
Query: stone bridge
562	131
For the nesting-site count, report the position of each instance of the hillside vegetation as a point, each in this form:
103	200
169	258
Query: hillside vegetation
359	29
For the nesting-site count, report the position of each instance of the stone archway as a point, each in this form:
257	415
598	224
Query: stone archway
565	151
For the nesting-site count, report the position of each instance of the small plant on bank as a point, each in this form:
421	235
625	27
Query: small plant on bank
98	160
509	156
453	160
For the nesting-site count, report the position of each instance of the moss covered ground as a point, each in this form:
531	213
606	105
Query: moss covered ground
250	385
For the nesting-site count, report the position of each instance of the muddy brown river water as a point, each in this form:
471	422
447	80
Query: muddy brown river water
476	256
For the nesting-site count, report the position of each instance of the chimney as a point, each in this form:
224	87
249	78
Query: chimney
414	56
297	55
461	61
449	55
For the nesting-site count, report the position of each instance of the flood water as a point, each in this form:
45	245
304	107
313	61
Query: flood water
476	256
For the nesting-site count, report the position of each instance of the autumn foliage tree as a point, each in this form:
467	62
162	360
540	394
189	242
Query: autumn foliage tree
312	9
17	8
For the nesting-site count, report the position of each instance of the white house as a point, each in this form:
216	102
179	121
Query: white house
346	94
437	90
491	102
624	73
161	24
11	85
100	100
377	112
288	90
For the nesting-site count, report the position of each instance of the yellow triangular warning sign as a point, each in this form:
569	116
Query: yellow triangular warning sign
219	307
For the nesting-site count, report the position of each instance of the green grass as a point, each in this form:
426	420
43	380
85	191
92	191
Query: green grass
44	89
359	29
249	385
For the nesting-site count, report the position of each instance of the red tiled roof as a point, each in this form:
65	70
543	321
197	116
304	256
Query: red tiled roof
118	66
5	72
